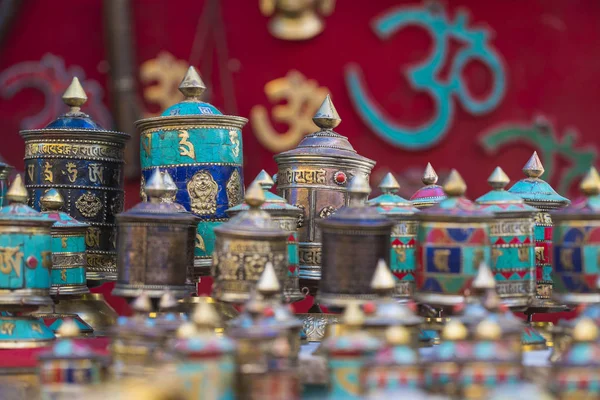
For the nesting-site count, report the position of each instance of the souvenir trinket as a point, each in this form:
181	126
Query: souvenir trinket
431	193
135	341
286	216
452	240
354	239
84	162
69	368
201	149
576	240
244	246
154	254
538	193
397	365
205	361
313	177
26	248
404	232
5	171
512	239
348	353
577	374
68	248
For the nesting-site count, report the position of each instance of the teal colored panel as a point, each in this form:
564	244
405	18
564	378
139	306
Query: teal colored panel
515	257
345	378
402	259
68	244
191	146
24	329
539	232
293	257
470	256
205	230
590	259
23	259
70	276
547	272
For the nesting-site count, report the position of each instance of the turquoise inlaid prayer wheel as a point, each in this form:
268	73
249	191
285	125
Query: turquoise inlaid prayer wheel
201	149
68	248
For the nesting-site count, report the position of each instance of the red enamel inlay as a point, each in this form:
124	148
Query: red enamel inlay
397	242
527	240
291	238
548	233
478	237
340	178
515	240
500	241
369	308
411	242
32	262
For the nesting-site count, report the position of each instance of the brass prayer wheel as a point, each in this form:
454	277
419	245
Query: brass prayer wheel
354	239
155	253
84	162
313	177
244	246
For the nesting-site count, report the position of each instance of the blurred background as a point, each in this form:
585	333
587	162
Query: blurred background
463	84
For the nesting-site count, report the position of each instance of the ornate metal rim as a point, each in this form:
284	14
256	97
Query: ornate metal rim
103	136
143	125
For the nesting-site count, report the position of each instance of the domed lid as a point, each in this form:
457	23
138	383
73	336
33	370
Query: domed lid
156	209
501	201
52	202
587	209
357	213
535	191
456	207
273	204
389	203
66	348
17	212
430	193
254	221
75	120
326	142
192	88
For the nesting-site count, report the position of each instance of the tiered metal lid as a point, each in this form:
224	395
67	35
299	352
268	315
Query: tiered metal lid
429	194
535	191
389	203
501	201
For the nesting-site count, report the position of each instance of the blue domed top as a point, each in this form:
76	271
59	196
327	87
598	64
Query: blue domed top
191	107
74	121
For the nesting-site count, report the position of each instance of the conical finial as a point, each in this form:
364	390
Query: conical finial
389	184
52	200
16	192
353	315
192	86
484	278
590	185
74	96
254	196
454	330
383	280
397	336
455	186
498	179
585	330
326	116
142	304
268	285
167	301
533	168
205	316
187	330
429	176
155	187
170	186
68	329
264	179
358	190
488	330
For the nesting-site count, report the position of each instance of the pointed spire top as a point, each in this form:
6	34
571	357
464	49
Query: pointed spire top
74	96
167	301
590	185
358	190
142	304
264	179
17	192
389	184
268	285
52	200
170	185
484	278
68	329
533	168
205	315
429	176
254	196
192	86
155	187
498	179
326	116
455	186
353	316
383	280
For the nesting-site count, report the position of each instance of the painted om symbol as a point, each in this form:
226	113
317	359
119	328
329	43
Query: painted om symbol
424	77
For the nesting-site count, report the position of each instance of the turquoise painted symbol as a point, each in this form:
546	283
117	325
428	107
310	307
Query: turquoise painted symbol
425	76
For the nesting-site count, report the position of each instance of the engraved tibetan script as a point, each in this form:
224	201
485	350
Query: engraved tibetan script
186	148
304	176
10	260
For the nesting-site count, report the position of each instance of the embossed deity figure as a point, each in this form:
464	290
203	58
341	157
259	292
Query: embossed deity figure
202	189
